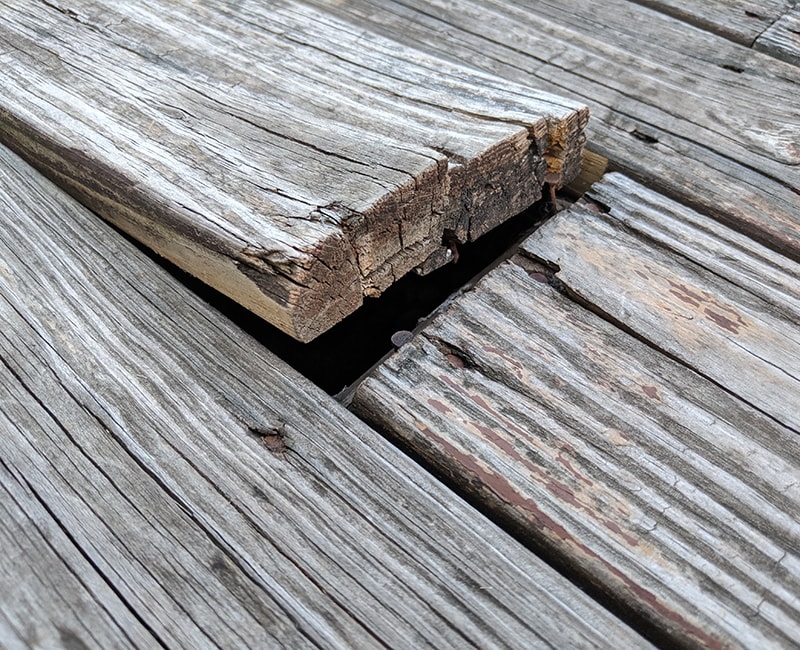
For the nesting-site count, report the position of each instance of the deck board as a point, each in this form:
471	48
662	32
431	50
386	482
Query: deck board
728	309
281	156
224	499
697	117
782	39
621	395
38	558
680	500
742	21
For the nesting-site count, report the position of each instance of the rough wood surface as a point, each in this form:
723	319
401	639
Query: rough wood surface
289	160
742	21
39	559
224	499
646	480
782	39
722	304
698	117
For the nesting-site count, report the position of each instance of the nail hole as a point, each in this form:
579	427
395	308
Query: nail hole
733	68
649	139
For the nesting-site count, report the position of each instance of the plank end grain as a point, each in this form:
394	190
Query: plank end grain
289	160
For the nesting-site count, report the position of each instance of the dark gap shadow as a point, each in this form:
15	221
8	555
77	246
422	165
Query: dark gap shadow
344	353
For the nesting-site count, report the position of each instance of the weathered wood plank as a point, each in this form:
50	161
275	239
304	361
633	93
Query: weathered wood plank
723	305
698	117
782	39
288	160
80	610
739	20
226	500
651	483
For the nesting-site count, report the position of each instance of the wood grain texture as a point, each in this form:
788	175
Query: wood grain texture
287	159
782	39
651	483
79	610
224	499
742	21
695	116
723	305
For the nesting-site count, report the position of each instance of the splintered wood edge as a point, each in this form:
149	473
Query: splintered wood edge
306	295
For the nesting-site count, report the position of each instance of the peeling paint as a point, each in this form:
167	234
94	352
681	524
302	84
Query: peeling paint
723	321
651	392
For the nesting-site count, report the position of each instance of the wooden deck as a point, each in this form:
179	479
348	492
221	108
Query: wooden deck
597	440
392	157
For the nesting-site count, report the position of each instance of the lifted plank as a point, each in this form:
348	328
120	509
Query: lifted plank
698	117
724	305
226	500
675	499
283	157
782	39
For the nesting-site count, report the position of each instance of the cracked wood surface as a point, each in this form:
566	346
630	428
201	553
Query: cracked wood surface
782	39
724	305
226	502
696	116
742	21
282	156
675	498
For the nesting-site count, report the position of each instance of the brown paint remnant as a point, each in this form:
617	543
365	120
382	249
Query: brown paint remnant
684	294
491	349
490	435
488	485
651	392
568	466
560	490
723	321
471	473
440	406
630	539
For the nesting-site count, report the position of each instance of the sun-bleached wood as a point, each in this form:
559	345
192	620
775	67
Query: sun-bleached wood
676	499
224	499
283	157
50	591
742	21
719	302
782	39
696	116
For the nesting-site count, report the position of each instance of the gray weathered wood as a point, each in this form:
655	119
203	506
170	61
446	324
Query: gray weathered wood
79	609
726	306
696	116
782	39
739	20
226	500
675	498
283	157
